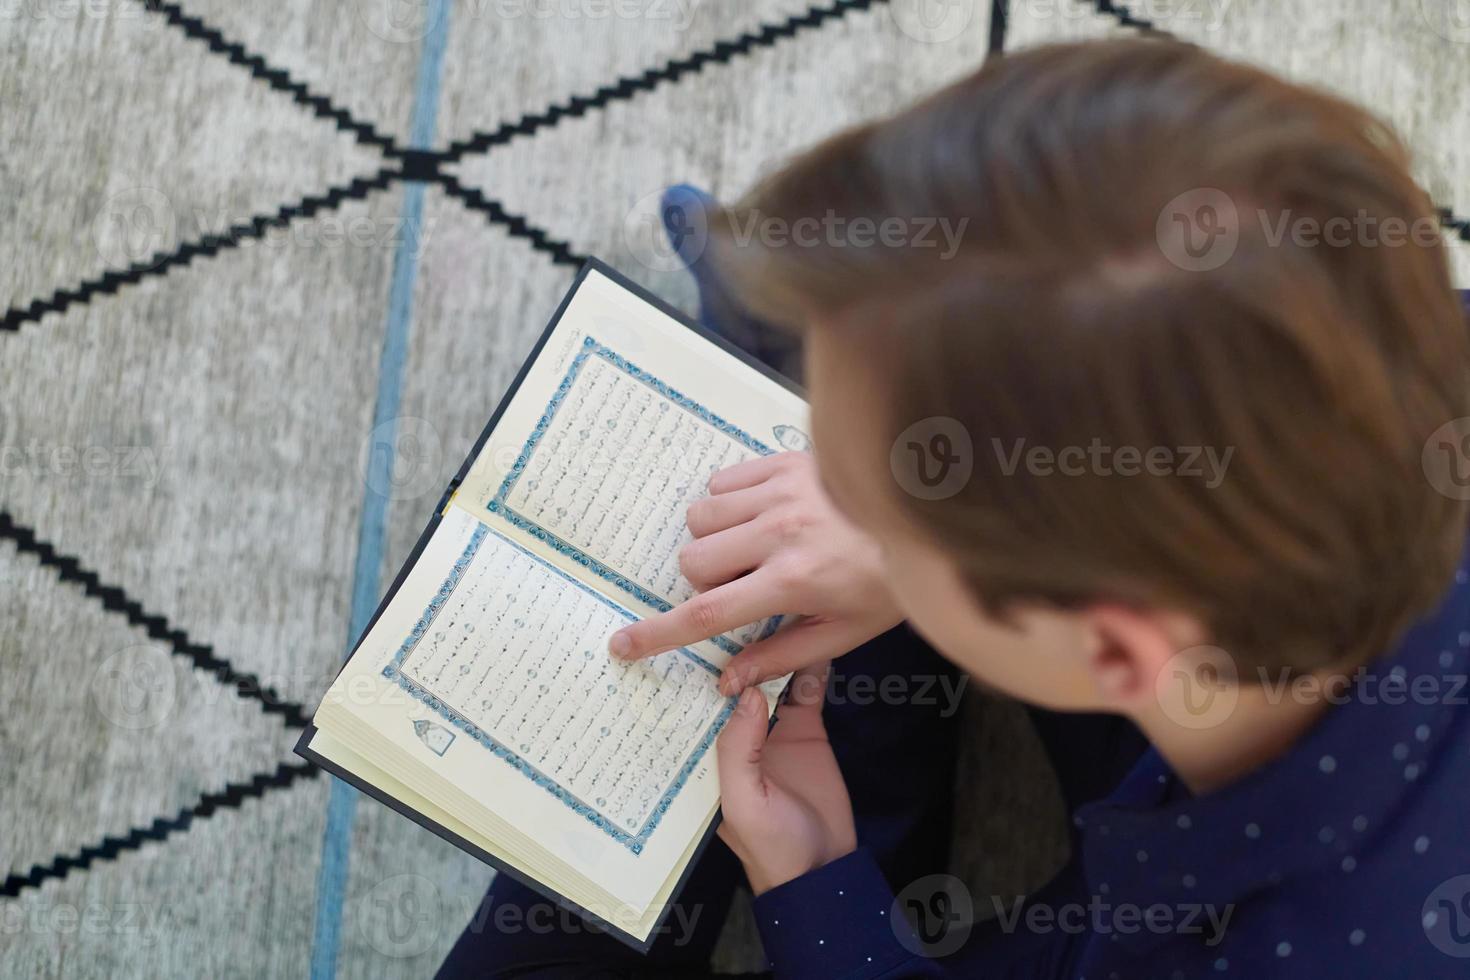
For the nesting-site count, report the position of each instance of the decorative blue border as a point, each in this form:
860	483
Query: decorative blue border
497	504
634	842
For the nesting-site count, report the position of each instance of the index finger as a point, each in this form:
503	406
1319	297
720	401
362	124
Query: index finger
746	474
748	599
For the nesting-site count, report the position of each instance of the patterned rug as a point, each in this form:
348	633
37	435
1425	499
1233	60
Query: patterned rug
265	271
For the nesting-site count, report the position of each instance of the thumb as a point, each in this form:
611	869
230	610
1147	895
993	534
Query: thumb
738	751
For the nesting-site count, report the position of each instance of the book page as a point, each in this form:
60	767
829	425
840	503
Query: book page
489	674
524	672
617	428
639	923
612	468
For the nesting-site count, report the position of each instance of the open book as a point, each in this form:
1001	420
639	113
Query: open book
482	702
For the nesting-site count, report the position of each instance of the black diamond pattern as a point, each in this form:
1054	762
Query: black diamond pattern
424	166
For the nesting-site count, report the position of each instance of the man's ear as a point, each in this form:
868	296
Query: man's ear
1127	648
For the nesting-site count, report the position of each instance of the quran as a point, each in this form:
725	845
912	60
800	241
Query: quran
481	701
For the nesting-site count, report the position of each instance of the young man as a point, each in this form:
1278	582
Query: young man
1175	434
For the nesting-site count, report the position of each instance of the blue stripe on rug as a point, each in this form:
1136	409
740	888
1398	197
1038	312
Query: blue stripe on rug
331	886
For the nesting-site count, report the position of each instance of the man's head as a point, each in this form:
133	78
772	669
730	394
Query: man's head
1194	334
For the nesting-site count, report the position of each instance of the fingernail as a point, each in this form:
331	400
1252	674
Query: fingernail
620	646
730	684
749	699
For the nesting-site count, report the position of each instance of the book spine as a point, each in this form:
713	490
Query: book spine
448	495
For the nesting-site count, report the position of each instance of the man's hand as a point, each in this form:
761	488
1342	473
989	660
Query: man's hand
785	806
768	541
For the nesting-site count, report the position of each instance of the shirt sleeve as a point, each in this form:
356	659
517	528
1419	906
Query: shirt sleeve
838	921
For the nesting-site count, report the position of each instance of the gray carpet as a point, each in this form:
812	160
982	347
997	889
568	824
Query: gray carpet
225	274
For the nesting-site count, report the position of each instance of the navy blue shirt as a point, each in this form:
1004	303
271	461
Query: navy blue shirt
1349	856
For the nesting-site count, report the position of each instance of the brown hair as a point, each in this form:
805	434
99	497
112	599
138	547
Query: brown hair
1067	314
